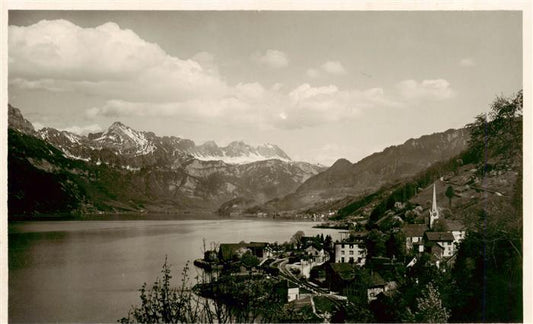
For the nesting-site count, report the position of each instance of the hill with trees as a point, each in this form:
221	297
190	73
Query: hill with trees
480	187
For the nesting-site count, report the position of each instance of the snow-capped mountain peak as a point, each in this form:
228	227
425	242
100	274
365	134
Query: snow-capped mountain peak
238	152
57	136
120	144
125	139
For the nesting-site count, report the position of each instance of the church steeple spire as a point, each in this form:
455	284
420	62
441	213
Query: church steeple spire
434	212
434	206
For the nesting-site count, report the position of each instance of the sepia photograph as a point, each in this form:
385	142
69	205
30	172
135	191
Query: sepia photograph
246	166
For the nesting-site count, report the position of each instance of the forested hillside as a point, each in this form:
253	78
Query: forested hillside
481	188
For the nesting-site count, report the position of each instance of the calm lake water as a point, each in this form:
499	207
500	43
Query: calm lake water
90	271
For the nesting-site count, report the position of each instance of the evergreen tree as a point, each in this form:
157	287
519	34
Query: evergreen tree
430	308
450	193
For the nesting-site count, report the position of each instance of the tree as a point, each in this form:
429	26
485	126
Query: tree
440	226
297	238
395	245
500	131
225	300
375	244
430	308
450	193
249	261
328	241
163	304
488	270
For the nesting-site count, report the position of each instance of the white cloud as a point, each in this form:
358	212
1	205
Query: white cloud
311	106
277	86
328	67
467	62
250	90
312	73
228	111
256	106
38	125
46	84
207	61
106	60
272	58
137	78
305	91
438	89
333	67
83	130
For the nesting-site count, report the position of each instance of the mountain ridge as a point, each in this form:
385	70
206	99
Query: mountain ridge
122	169
393	164
122	139
280	183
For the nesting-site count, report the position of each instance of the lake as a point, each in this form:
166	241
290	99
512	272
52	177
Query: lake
90	271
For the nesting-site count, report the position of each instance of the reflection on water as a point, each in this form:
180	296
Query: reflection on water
89	271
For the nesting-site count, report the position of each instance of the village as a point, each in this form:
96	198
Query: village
322	277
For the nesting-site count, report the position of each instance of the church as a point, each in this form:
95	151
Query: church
424	237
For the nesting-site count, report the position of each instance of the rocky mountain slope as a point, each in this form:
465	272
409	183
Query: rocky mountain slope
391	165
137	149
486	176
124	169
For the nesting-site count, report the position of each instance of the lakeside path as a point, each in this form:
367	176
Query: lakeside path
316	291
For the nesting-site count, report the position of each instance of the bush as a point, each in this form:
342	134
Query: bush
163	304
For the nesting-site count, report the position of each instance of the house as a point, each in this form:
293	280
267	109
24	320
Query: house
303	303
317	256
414	236
457	229
377	286
350	252
293	292
440	243
339	275
228	251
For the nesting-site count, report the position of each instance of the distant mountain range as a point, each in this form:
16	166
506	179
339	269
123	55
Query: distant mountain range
142	149
167	174
122	169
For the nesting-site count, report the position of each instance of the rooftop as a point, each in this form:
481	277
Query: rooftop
439	236
414	230
345	271
455	225
377	280
228	249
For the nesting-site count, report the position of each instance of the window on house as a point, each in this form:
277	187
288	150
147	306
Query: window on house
351	252
342	252
342	259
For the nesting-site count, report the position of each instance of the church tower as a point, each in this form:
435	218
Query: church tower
434	212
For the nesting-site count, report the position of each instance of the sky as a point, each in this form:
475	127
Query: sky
321	85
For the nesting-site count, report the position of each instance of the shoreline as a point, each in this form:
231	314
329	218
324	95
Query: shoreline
128	216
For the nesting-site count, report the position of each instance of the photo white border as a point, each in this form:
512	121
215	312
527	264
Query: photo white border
310	5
